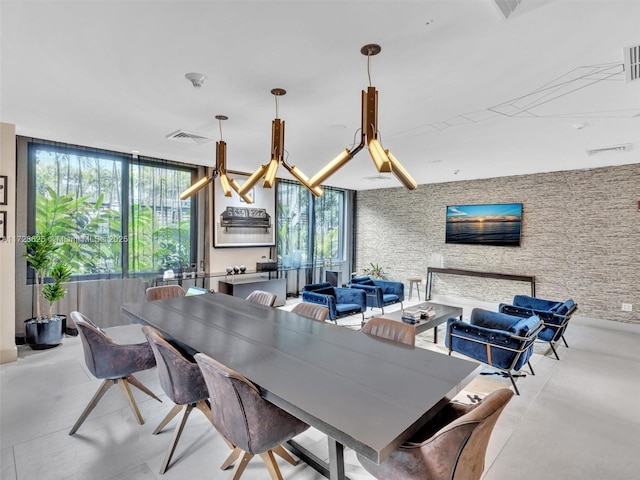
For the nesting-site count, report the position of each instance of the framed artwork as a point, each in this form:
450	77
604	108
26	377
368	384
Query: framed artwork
3	190
3	225
240	224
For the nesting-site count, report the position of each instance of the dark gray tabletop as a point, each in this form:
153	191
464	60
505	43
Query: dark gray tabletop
366	393
442	314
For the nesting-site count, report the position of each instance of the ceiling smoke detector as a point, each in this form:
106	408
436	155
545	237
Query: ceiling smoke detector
625	147
196	79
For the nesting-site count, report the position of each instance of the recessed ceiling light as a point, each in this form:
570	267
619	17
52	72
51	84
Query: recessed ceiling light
579	126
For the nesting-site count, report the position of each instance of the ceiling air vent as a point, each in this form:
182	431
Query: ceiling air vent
625	147
188	137
632	63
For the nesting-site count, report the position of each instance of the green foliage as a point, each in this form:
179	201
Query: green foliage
375	271
52	292
41	251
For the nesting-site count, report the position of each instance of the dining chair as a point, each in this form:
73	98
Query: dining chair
311	310
113	362
163	292
254	425
452	446
390	329
262	298
182	381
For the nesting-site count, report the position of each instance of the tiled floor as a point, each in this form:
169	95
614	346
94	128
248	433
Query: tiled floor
577	418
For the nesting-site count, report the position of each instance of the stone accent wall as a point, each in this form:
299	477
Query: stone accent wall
580	237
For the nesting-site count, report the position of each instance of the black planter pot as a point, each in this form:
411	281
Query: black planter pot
41	335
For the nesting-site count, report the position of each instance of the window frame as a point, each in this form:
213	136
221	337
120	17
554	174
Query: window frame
127	162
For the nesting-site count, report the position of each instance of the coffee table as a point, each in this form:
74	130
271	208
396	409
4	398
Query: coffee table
443	313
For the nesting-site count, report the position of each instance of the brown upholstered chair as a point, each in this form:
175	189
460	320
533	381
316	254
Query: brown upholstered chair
390	329
262	298
113	362
450	447
182	381
253	425
163	292
311	310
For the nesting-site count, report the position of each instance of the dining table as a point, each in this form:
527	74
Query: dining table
364	392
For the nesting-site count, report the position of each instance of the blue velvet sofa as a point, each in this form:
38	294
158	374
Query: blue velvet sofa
555	315
380	293
502	341
341	302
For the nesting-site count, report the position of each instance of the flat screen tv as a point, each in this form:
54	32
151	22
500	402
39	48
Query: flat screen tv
492	224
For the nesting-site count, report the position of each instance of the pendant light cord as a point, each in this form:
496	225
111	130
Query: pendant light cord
369	68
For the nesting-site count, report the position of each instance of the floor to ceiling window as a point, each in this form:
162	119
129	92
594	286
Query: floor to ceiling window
115	215
311	230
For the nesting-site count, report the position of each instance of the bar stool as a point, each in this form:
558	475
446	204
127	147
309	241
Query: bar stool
414	281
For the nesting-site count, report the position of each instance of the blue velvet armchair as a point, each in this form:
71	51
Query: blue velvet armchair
502	341
555	315
341	302
380	293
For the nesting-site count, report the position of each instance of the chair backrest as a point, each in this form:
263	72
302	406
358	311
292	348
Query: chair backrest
95	342
452	446
311	310
242	416
180	379
390	329
163	292
470	436
262	298
106	358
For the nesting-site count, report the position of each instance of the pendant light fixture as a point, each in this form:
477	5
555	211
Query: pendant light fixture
220	170
268	171
384	161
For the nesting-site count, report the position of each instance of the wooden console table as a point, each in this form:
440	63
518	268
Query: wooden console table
473	273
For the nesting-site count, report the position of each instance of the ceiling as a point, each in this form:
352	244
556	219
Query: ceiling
463	92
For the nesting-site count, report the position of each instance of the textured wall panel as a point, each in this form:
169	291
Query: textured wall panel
580	237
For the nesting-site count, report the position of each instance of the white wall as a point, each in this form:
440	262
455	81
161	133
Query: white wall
8	350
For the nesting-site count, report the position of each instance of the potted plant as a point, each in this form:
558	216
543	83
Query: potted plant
375	271
45	330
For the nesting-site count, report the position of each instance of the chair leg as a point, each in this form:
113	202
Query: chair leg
513	382
233	456
531	368
174	411
241	465
280	451
136	383
176	436
565	342
92	404
553	349
272	466
124	385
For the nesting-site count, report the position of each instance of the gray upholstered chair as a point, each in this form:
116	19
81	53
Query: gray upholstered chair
452	446
262	298
182	381
113	362
390	329
162	292
253	425
311	310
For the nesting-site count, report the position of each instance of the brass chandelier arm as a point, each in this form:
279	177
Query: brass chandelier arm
302	178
